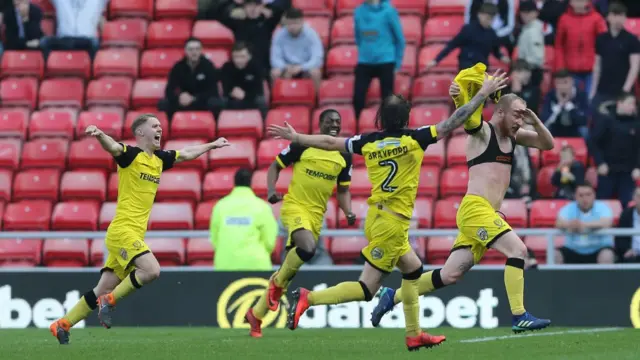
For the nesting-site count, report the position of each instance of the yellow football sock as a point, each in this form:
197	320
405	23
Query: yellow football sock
411	306
130	284
428	282
342	293
290	266
82	309
514	283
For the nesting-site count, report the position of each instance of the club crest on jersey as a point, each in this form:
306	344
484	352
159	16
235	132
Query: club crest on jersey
482	234
377	253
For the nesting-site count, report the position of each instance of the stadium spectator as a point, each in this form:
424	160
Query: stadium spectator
503	24
476	41
550	12
575	46
580	219
243	229
242	81
192	83
522	84
297	51
617	59
523	176
628	247
531	41
381	44
254	25
565	107
76	27
615	145
569	173
22	21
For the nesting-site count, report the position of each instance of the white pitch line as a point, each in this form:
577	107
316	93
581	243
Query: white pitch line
509	337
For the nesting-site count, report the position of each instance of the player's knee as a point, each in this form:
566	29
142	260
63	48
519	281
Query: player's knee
368	293
306	252
153	274
450	277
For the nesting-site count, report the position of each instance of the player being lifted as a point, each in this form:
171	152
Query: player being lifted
130	263
393	157
490	147
315	174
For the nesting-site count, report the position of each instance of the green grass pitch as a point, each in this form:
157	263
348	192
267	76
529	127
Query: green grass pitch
307	344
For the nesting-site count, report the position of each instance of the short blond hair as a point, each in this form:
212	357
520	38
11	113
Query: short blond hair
140	120
506	100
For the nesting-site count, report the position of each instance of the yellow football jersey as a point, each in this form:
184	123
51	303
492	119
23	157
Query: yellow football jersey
315	174
393	163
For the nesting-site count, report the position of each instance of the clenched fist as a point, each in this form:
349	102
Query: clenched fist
93	130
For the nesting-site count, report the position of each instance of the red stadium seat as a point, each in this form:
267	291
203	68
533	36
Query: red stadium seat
632	25
411	7
293	92
341	60
440	7
169	252
544	213
108	90
268	149
50	94
159	62
22	63
194	124
259	181
247	123
538	244
345	250
176	9
346	7
213	34
19	92
402	86
616	209
409	61
27	215
112	187
360	185
412	29
515	211
218	183
552	157
217	56
124	32
346	113
320	25
13	123
454	181
200	163
431	88
1	213
147	92
366	124
199	252
203	215
131	117
180	185
428	114
109	122
456	151
171	216
442	28
445	213
434	155
107	212
116	62
20	252
336	90
52	123
359	207
168	33
83	185
45	153
241	153
6	184
131	8
543	184
75	215
429	181
297	116
439	248
423	213
313	8
37	184
88	154
10	153
449	64
65	252
96	252
69	63
342	31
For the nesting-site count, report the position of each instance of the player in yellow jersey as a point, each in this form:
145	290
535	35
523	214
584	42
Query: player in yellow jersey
393	157
316	172
130	263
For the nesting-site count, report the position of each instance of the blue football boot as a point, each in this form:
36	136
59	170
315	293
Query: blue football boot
528	322
385	304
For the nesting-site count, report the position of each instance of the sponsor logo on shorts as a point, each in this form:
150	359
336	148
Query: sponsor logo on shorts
482	234
377	253
499	223
123	254
239	297
298	220
137	244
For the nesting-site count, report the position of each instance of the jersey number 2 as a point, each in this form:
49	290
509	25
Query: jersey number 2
392	174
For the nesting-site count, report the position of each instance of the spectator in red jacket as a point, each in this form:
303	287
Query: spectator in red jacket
576	41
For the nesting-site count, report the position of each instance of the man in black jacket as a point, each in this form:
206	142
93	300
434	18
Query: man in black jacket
628	247
242	81
192	83
22	25
615	146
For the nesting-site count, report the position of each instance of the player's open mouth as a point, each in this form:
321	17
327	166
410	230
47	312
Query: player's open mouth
157	137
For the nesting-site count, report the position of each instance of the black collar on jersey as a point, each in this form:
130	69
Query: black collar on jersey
493	154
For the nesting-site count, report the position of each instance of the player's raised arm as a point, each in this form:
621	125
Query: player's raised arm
325	142
107	142
491	84
194	151
541	138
